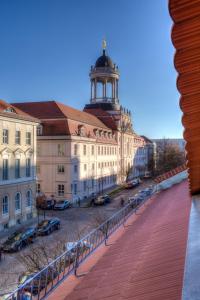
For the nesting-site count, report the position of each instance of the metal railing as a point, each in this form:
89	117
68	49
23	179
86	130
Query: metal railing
40	285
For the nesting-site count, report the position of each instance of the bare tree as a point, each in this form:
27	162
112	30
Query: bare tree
38	256
169	156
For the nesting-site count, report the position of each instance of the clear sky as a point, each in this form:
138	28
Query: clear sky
48	46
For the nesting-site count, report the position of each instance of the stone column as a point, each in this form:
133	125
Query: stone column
113	89
117	96
95	89
91	98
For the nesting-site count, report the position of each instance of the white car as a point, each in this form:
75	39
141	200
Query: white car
71	247
62	204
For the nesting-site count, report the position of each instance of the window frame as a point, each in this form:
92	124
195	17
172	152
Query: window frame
18	137
5	170
5	136
17	168
28	138
5	205
61	190
18	208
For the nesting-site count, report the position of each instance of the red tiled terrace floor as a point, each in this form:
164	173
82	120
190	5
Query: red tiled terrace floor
147	261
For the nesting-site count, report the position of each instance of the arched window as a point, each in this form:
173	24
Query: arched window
18	201
29	198
5	204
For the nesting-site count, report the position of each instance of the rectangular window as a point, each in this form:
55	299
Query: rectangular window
75	149
99	165
85	167
5	136
61	150
5	205
75	188
93	166
61	169
75	168
61	190
84	150
17	137
92	150
38	188
28	138
99	150
104	150
5	169
28	167
17	168
84	185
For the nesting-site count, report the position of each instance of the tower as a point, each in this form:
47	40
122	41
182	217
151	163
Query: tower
104	78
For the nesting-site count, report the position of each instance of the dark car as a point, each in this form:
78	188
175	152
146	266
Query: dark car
39	282
62	204
47	204
47	226
19	239
133	183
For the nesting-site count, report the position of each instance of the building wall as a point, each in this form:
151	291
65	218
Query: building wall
17	182
17	216
89	166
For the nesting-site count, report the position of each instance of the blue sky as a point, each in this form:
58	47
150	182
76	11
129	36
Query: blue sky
48	46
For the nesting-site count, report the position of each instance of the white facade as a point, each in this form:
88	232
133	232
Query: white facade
75	167
17	171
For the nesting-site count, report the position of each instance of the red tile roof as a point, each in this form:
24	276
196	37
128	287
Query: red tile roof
147	261
104	116
55	110
186	40
17	113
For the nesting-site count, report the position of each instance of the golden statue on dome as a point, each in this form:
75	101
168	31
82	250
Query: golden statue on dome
104	44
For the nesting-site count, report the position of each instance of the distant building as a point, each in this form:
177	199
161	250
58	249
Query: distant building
85	152
17	161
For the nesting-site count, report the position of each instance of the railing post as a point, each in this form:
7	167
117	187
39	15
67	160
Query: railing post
76	261
106	232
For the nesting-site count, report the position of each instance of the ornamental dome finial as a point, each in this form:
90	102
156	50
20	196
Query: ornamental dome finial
104	44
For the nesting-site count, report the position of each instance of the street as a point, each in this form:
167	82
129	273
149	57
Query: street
75	223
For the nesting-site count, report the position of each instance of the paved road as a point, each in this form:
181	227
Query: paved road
75	223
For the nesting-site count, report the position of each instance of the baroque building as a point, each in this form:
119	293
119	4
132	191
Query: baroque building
85	152
17	165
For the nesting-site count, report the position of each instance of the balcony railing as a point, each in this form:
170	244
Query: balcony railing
42	283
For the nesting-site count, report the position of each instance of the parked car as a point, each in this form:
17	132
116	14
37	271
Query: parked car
39	282
101	200
19	239
47	226
71	247
62	204
47	204
133	183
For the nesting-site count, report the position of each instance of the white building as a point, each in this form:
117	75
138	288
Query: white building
17	161
85	152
